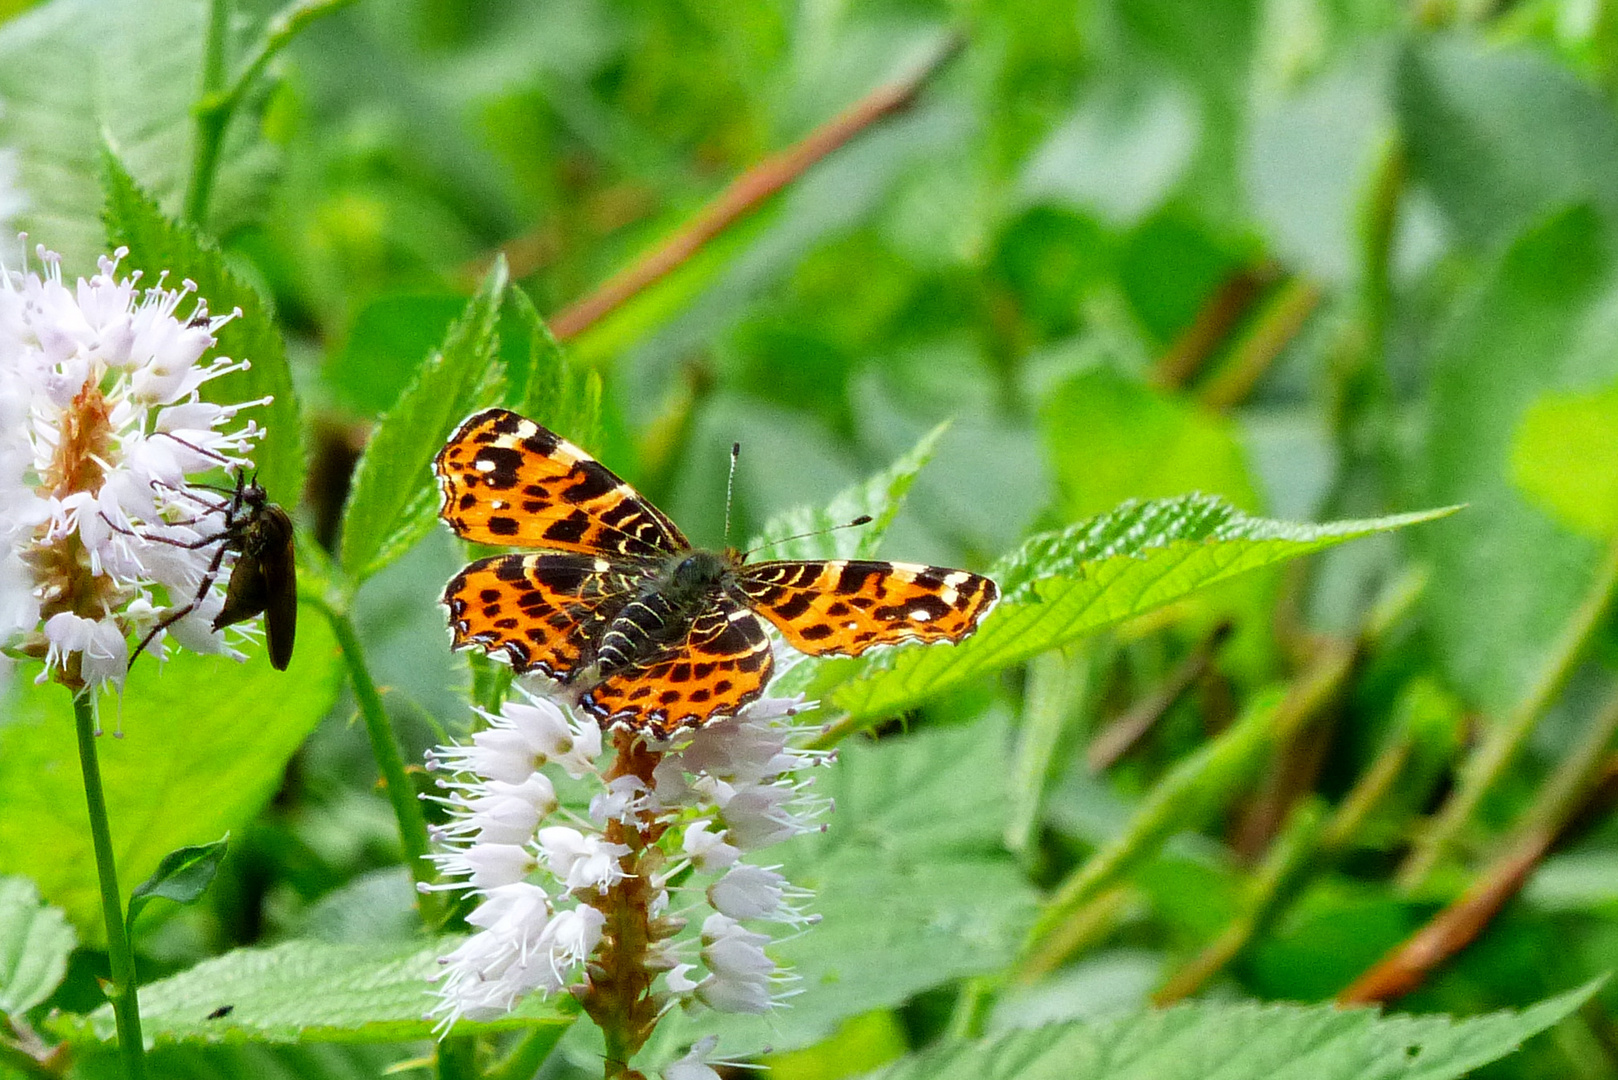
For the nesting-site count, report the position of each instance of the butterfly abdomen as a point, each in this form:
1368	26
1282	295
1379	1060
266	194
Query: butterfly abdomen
662	610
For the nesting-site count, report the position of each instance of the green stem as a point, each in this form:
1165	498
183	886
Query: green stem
219	102
1286	865
1501	742
125	1007
1194	790
389	758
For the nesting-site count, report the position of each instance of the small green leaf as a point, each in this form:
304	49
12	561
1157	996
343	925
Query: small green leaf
395	498
158	244
559	392
1565	459
305	992
1061	586
1242	1041
35	943
183	876
878	497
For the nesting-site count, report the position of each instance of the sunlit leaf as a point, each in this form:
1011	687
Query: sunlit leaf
1242	1041
205	742
304	991
1062	586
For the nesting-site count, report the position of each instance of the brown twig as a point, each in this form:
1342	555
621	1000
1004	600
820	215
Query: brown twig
1226	308
1561	802
746	194
1275	328
1120	736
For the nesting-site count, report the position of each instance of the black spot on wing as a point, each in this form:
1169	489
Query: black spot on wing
541	442
588	480
498	466
569	530
856	574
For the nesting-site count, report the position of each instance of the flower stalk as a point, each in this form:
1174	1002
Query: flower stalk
123	988
618	996
584	907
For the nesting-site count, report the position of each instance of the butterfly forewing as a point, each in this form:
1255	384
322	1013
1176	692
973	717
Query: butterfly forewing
507	481
545	612
722	663
847	606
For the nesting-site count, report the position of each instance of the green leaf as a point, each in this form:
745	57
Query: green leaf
878	497
78	74
560	392
384	347
35	943
1500	137
1244	1041
1061	586
910	880
306	992
157	243
394	500
1505	576
183	876
1109	438
205	741
1565	459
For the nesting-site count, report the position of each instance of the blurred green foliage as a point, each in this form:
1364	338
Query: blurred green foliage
1323	259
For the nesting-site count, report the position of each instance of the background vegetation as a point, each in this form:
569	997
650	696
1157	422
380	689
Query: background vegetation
1322	259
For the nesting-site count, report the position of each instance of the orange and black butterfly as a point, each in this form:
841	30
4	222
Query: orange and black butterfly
655	634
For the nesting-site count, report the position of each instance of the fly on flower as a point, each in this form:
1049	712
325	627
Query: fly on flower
655	634
103	438
263	580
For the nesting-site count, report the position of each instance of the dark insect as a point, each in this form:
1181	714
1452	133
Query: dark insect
264	579
220	1013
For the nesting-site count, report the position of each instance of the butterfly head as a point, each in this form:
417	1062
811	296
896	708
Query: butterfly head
697	574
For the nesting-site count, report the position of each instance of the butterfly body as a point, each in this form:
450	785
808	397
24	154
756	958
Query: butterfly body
648	630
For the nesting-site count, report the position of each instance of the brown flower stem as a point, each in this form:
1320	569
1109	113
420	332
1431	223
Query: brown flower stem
1123	733
618	992
1459	924
1283	316
122	986
746	194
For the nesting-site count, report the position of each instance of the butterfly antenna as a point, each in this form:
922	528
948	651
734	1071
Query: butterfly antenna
730	486
863	519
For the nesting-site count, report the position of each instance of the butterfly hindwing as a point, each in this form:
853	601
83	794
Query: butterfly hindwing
507	481
847	606
544	611
722	663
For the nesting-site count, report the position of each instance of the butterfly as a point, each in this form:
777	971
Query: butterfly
651	632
